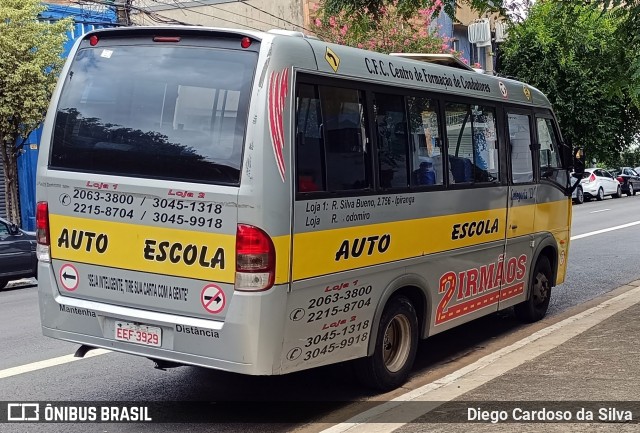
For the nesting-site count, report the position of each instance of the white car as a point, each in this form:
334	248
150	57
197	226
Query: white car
597	182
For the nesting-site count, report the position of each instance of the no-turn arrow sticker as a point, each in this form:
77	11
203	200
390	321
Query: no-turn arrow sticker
69	277
213	299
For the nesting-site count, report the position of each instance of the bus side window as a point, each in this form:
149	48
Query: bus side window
471	134
347	157
520	140
391	127
549	161
424	137
309	149
485	149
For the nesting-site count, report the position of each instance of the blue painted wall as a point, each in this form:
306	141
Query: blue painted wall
85	20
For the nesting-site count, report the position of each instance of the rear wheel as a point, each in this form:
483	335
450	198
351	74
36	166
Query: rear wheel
395	347
618	193
3	283
631	190
579	195
535	308
600	195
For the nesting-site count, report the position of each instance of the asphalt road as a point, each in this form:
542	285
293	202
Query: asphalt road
598	263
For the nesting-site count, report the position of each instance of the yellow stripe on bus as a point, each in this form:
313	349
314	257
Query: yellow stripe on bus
190	254
330	251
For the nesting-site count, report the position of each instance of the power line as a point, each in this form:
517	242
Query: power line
244	16
270	14
154	16
184	9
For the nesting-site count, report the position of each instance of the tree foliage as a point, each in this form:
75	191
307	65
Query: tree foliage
408	8
30	60
388	31
570	52
627	12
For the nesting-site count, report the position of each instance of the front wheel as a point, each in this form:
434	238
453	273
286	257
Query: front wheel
618	193
535	308
600	195
395	347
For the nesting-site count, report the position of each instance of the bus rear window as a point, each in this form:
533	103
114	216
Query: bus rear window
175	113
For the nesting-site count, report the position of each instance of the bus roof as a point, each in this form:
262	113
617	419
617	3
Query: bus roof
397	70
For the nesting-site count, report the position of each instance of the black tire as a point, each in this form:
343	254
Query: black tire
395	347
579	195
3	283
600	195
631	191
535	308
618	193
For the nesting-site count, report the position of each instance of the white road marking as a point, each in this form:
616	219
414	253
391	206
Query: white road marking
52	362
601	210
597	232
482	371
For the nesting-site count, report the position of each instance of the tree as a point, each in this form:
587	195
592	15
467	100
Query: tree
628	35
30	60
570	52
388	31
408	8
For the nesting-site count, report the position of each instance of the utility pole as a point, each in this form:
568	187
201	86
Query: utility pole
122	11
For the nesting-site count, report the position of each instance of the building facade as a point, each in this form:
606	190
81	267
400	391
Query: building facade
260	15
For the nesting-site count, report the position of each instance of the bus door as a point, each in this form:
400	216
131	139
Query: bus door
553	207
521	208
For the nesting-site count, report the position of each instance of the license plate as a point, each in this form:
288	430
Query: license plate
139	334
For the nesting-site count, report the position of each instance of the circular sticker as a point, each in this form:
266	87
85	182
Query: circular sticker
69	277
503	89
213	299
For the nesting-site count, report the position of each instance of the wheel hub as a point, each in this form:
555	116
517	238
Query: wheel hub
541	289
396	343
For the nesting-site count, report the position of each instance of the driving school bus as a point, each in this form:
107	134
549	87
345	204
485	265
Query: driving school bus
264	203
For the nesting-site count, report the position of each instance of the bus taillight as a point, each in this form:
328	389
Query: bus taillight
42	231
255	259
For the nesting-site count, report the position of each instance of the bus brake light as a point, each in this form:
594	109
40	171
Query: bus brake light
42	231
255	259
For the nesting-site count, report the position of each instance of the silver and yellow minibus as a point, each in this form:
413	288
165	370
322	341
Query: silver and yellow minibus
265	203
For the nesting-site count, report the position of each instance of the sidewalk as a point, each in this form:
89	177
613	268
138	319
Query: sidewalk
588	363
21	283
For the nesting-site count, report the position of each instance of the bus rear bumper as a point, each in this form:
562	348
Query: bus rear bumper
156	353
